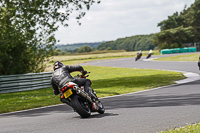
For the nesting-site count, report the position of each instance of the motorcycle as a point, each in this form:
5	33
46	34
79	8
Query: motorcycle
148	55
79	100
199	63
138	56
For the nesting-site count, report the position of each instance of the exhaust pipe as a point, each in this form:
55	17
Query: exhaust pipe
83	94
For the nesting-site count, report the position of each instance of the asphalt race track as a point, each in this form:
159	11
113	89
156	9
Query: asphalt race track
149	111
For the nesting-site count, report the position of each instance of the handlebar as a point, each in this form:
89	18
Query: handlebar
83	75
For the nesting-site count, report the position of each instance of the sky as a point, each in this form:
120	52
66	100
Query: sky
113	19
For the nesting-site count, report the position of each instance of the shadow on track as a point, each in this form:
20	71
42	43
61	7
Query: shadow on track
161	99
156	101
96	115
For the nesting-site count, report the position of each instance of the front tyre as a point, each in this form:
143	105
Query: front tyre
79	105
101	108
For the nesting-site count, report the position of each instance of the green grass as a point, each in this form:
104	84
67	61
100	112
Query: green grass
26	100
107	81
195	128
188	57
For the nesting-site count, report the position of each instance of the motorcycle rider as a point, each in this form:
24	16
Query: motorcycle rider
62	75
199	62
140	53
150	51
149	54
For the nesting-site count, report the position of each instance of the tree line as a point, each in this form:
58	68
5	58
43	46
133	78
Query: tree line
179	28
63	49
133	43
73	47
82	49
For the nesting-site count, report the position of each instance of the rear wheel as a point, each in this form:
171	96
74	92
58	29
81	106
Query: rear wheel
80	106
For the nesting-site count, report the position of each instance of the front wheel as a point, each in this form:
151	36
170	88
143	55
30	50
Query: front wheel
101	107
80	106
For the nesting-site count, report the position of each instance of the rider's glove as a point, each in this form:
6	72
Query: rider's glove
84	72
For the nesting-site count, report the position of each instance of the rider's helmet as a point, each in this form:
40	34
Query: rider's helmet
57	65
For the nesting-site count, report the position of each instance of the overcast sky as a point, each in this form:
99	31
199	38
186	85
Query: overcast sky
113	19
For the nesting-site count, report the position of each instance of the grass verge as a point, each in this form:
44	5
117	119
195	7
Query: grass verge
188	57
195	128
107	81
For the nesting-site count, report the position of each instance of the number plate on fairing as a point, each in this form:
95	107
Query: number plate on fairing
68	93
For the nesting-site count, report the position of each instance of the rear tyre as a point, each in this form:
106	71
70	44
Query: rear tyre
82	109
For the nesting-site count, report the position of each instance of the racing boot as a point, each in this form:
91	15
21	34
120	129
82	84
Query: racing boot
93	95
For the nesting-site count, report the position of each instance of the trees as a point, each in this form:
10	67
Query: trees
180	28
173	21
27	31
133	43
192	18
84	49
173	38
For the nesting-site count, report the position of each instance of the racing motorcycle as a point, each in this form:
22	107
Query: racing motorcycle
148	55
138	56
199	63
79	100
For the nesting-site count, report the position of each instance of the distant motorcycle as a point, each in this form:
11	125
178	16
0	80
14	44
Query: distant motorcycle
138	56
79	100
148	55
199	63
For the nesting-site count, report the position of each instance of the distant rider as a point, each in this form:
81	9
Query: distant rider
150	51
140	53
199	62
62	75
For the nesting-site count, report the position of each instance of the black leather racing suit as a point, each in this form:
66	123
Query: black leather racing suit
62	75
